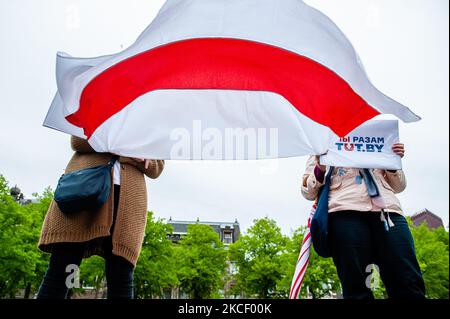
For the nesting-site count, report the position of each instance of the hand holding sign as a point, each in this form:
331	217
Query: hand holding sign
399	149
372	145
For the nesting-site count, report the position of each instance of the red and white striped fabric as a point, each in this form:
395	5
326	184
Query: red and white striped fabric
303	260
229	64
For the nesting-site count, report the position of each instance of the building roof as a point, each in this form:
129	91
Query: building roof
181	227
433	221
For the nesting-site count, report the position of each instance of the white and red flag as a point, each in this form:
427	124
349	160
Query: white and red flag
303	260
229	64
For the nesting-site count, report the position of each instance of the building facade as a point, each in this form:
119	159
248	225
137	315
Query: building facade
228	232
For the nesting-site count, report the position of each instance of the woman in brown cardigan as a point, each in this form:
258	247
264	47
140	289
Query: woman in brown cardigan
115	232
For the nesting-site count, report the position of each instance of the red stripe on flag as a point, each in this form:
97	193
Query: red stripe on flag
306	251
303	269
224	64
308	236
298	278
297	291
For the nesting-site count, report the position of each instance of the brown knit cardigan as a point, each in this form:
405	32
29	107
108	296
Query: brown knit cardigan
93	228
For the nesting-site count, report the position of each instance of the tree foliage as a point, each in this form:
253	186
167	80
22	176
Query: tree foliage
321	279
22	266
265	259
201	262
156	269
259	256
92	274
432	254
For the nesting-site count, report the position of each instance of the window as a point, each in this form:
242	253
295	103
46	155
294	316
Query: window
227	238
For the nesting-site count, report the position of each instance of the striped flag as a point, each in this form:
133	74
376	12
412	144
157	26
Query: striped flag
303	260
248	64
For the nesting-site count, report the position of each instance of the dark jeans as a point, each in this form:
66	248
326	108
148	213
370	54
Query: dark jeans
359	239
119	272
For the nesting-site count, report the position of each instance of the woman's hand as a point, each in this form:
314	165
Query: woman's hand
145	161
322	167
399	149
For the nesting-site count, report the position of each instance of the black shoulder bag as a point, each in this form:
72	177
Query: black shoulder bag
84	190
319	222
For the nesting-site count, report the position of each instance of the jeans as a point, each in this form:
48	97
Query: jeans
119	272
360	239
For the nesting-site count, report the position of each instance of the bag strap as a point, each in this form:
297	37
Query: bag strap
369	179
329	175
326	184
113	161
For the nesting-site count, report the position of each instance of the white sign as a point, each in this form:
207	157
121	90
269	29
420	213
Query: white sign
369	146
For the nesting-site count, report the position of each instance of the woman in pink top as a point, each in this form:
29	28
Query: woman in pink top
367	228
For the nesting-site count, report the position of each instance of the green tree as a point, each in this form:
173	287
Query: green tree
22	265
92	274
289	262
156	269
321	279
201	262
432	253
259	256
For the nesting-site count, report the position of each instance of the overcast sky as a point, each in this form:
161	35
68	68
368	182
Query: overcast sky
403	43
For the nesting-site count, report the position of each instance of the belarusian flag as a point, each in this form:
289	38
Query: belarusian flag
247	64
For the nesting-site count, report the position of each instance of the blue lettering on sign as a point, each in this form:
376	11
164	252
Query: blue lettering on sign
379	148
361	144
370	148
366	140
340	146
